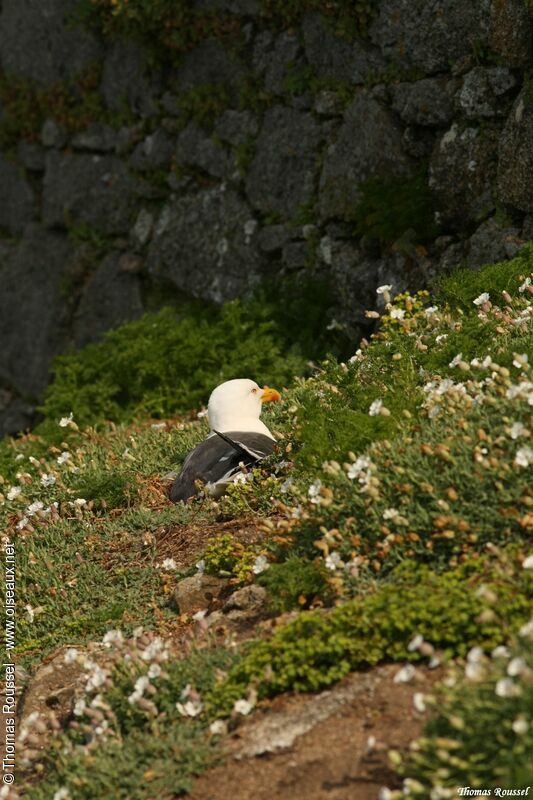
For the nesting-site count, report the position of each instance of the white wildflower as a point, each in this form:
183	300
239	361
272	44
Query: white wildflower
516	666
357	357
441	337
522	288
385	793
33	508
113	637
63	458
520	726
70	656
79	707
397	313
62	794
65	421
200	565
483	298
506	687
405	674
520	360
22	523
391	513
359	466
419	702
333	561
500	652
527	563
242	707
154	671
524	457
95	679
314	491
415	643
474	671
168	564
14	492
456	360
475	655
261	564
203	413
385	288
192	708
517	430
218	728
286	485
79	502
430	311
375	408
526	631
30	611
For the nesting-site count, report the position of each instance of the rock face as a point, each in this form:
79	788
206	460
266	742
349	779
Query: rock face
38	42
368	143
515	166
32	302
204	245
123	177
200	593
282	175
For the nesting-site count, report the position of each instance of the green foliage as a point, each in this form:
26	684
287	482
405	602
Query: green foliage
455	749
201	104
346	19
462	287
72	104
226	556
167	28
163	364
319	648
396	211
295	582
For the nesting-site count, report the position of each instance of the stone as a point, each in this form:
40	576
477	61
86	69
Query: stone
247	605
510	33
195	149
200	592
272	237
515	155
274	59
125	84
461	173
98	137
245	8
482	88
328	103
295	255
424	102
17	203
429	36
203	246
282	174
208	63
368	143
236	127
354	281
142	230
492	243
154	152
88	189
418	142
32	309
31	155
110	297
39	41
52	134
16	414
335	58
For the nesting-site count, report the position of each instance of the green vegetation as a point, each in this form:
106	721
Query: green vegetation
491	695
73	105
318	648
397	211
167	362
396	510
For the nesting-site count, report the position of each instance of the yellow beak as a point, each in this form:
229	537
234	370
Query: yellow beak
269	395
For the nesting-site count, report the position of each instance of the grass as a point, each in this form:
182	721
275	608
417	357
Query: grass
413	519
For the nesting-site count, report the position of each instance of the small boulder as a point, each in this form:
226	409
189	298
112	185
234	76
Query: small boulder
200	592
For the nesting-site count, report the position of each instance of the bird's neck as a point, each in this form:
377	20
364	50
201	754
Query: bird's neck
251	424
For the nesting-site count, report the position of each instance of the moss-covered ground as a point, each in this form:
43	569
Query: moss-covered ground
393	522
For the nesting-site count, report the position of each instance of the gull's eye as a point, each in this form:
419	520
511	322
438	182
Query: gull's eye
254	391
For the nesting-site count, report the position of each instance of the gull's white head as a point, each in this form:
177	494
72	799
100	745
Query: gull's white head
236	406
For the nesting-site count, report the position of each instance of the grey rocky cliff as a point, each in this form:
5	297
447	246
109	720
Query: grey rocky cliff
246	160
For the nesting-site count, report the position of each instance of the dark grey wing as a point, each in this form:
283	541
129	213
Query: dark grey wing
217	459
